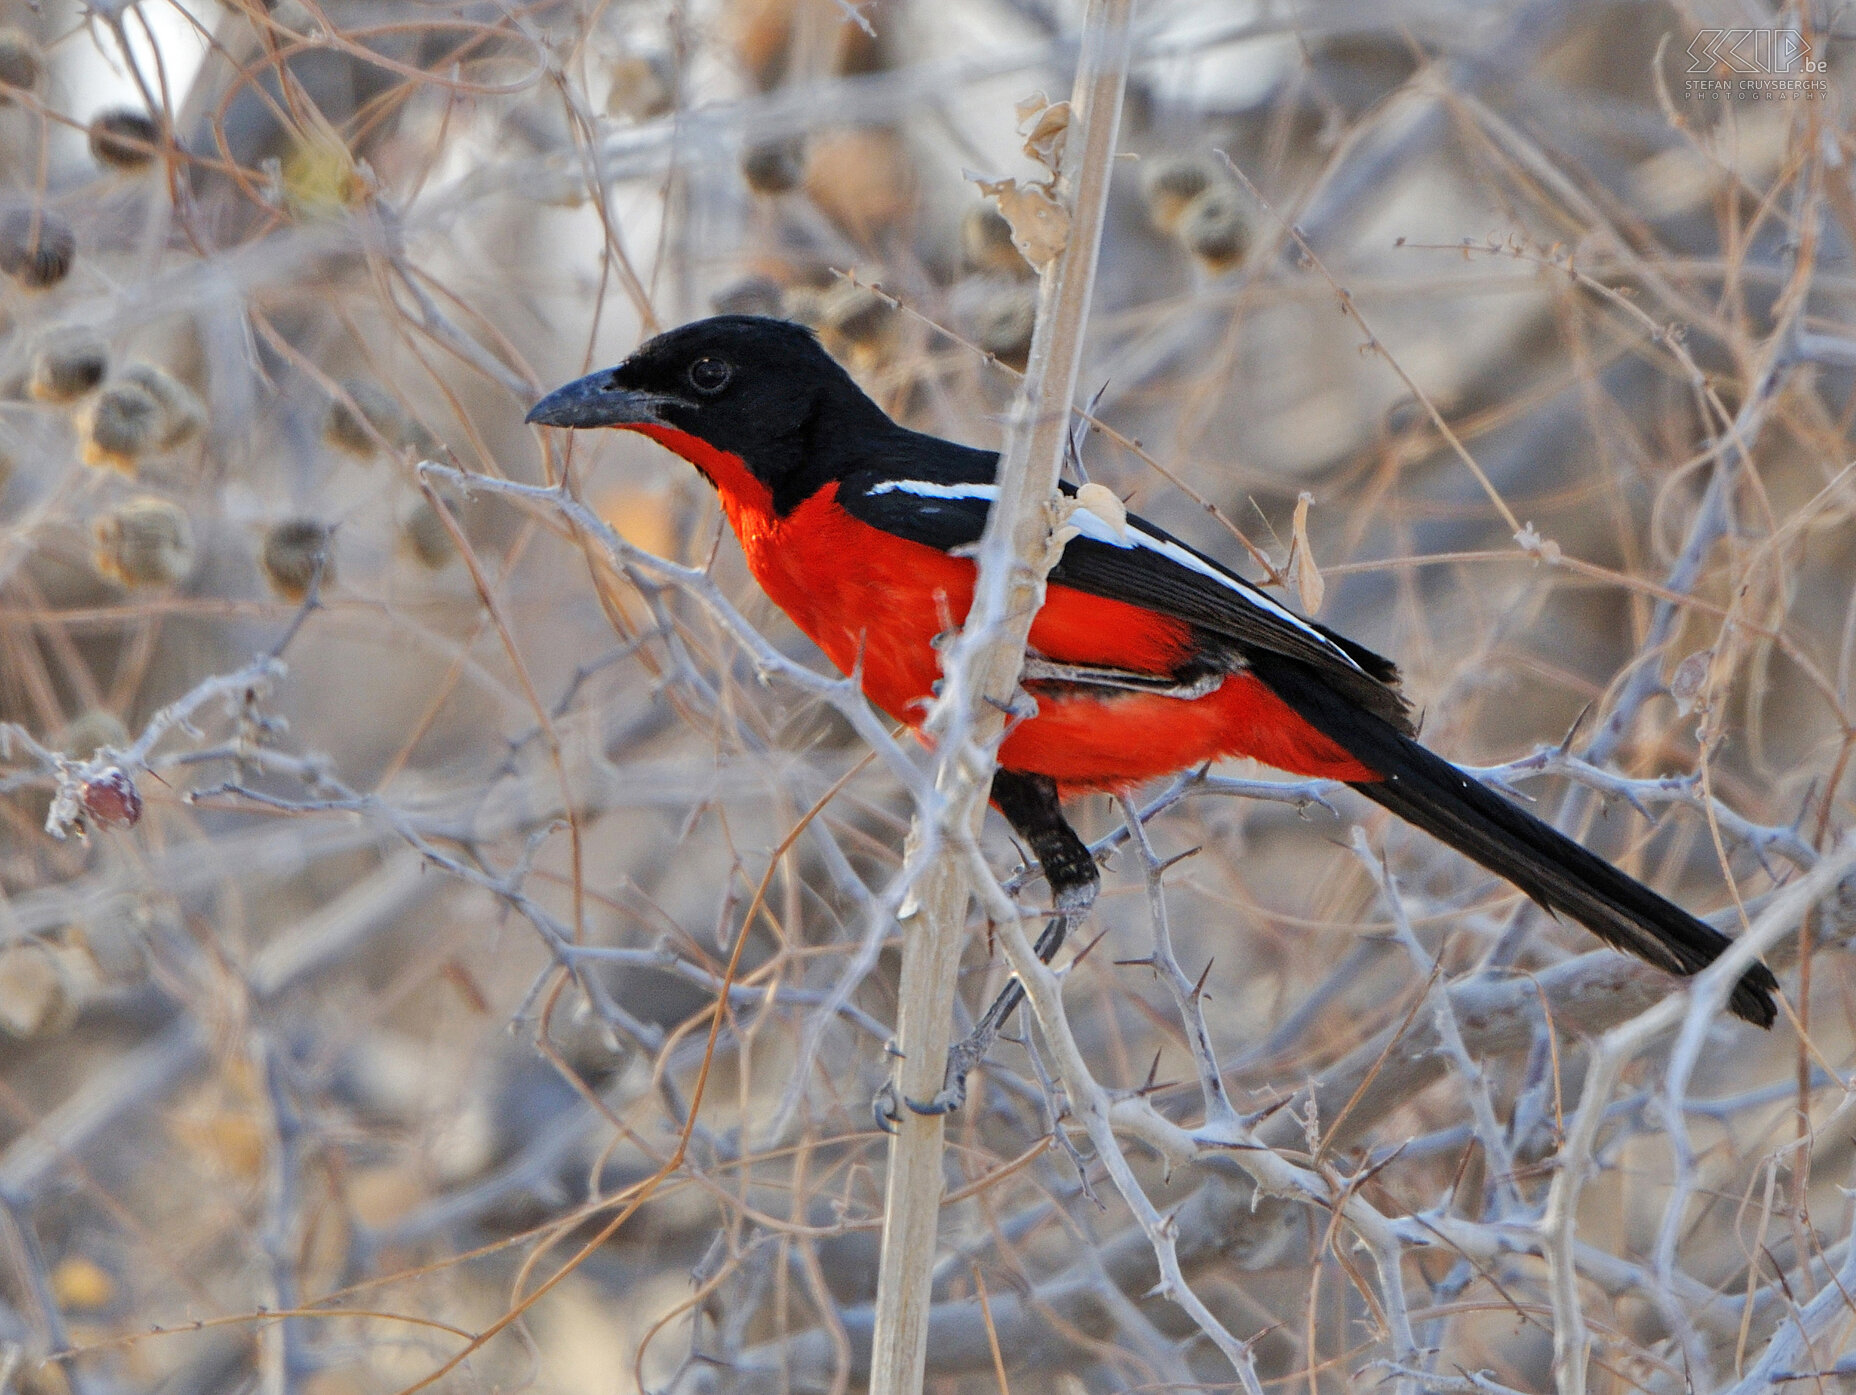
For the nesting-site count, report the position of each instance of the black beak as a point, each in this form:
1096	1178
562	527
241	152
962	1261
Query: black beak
593	401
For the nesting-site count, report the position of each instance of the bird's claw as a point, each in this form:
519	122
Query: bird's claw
889	1102
883	1107
961	1059
950	1099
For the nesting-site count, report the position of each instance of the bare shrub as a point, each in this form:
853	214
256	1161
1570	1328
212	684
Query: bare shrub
472	966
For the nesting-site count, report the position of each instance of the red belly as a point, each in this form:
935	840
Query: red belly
865	595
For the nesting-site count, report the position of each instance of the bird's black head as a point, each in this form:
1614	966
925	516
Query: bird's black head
762	391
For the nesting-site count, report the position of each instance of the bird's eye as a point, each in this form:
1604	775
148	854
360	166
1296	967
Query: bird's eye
710	375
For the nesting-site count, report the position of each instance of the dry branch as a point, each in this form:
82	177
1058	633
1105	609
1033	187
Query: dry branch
981	670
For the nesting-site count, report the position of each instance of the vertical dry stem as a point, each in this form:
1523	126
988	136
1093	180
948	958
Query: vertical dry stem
982	671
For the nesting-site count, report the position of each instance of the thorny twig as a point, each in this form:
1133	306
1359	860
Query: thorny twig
312	871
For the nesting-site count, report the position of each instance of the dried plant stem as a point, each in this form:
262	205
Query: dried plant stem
982	669
1694	1012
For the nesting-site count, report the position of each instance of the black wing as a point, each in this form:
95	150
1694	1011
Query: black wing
1145	566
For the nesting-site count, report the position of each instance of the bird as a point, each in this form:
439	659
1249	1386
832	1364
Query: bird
1148	657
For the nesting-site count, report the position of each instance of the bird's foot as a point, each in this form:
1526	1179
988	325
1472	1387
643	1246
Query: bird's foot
961	1059
1072	902
889	1102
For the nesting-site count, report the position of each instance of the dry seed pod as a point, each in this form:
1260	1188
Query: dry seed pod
359	429
999	313
1170	182
124	138
761	33
1213	228
642	87
22	63
89	732
854	316
752	295
37	247
986	242
146	542
775	166
803	305
38	994
182	415
293	552
66	365
80	1284
862	180
425	537
222	1136
46	1377
120	426
321	177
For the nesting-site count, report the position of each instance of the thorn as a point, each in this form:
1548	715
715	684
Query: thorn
1759	856
1145	963
1153	1073
1251	1120
1199	988
1162	868
1154	1087
1577	722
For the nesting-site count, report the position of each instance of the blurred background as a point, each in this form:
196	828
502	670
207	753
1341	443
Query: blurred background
376	986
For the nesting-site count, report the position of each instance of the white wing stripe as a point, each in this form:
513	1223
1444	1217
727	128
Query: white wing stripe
1097	529
928	490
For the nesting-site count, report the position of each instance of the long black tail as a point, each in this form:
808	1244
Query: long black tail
1428	791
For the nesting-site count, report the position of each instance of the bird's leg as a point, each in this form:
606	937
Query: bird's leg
1030	805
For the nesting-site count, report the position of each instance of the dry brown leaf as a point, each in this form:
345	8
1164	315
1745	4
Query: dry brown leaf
1040	225
1027	107
1106	505
1044	125
1097	500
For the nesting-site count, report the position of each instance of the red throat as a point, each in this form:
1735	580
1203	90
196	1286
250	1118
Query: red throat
727	472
